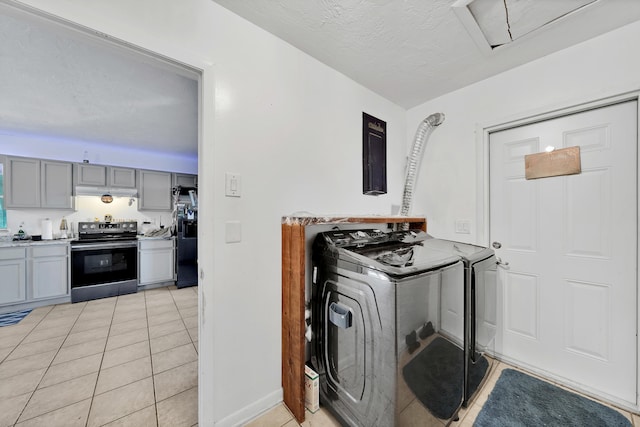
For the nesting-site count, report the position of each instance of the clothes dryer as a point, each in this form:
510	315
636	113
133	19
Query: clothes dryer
392	325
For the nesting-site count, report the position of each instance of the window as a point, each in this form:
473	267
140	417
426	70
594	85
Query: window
3	212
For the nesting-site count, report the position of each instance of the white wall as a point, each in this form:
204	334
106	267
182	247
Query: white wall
447	188
87	209
291	127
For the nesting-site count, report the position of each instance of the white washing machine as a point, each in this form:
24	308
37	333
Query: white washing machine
394	315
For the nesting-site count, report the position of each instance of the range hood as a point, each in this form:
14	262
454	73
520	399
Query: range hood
99	191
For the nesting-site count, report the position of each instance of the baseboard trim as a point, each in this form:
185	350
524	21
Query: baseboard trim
34	304
251	411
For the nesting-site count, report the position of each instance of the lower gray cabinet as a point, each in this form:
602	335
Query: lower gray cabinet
49	271
156	261
34	272
13	271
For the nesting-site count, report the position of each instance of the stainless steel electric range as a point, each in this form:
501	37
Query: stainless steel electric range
104	260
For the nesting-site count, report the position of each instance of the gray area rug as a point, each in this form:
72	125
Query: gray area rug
519	400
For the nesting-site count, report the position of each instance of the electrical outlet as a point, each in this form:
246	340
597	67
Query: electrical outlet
463	226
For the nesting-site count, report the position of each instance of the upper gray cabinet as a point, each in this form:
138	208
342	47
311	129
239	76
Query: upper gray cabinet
92	175
104	176
185	180
33	183
22	183
122	177
154	190
56	185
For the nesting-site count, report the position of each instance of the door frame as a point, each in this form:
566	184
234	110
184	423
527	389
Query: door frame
483	130
207	144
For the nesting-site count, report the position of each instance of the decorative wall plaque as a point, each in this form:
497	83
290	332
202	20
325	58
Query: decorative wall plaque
564	161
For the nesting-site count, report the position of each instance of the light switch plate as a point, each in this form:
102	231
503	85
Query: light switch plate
232	184
233	232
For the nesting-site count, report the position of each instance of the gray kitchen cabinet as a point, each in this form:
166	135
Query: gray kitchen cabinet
122	177
91	175
104	176
154	190
56	186
14	275
22	183
156	261
49	271
33	183
185	180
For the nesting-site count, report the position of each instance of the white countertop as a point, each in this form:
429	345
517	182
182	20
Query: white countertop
156	237
18	243
21	243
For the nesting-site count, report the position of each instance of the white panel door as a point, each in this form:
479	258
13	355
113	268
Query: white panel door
569	292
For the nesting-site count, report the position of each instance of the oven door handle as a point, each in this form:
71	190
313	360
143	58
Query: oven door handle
86	247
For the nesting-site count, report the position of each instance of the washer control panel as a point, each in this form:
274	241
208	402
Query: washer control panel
364	237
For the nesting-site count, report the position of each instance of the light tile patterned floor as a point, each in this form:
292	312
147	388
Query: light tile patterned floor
123	361
280	416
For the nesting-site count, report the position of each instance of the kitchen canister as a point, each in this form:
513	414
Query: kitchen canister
47	229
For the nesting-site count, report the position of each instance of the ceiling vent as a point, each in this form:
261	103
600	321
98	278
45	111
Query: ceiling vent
496	23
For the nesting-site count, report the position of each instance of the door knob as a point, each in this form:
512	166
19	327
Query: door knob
496	245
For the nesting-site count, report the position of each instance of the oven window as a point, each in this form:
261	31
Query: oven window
99	266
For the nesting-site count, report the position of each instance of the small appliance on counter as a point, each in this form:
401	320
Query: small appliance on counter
63	228
21	235
47	229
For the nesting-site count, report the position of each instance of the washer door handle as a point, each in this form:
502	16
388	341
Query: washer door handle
340	315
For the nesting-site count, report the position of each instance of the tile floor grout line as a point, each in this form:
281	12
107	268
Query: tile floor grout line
112	309
27	334
104	350
50	362
153	378
56	409
185	325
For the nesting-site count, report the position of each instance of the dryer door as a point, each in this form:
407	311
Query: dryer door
346	345
349	367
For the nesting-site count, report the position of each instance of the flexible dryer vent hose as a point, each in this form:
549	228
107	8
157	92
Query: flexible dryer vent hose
415	158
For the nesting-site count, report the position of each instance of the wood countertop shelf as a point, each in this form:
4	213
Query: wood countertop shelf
293	295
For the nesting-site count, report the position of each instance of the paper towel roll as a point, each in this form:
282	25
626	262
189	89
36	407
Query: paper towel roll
47	229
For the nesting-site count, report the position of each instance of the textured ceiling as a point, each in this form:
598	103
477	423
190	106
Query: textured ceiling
57	82
62	83
411	51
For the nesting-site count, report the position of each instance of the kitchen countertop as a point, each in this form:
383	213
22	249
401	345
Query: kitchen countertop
156	237
19	243
24	243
